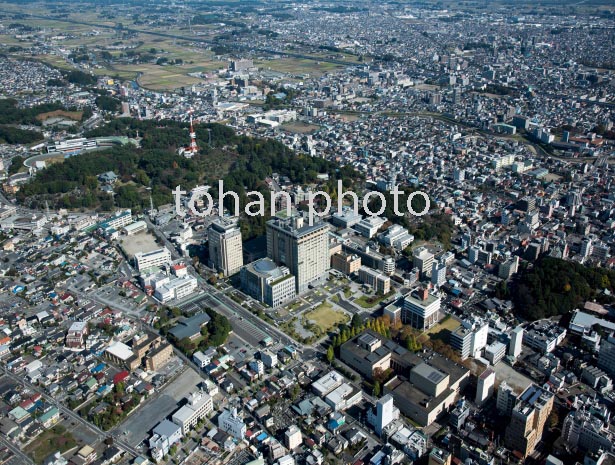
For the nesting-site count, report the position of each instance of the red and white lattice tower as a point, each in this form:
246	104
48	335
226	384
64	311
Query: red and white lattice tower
193	149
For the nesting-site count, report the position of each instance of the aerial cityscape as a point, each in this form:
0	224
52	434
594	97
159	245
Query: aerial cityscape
306	233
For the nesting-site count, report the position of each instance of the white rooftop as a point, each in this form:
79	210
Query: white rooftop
120	350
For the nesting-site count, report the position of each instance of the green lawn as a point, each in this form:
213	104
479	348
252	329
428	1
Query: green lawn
325	317
371	301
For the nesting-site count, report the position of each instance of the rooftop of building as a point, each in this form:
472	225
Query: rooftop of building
403	358
415	298
297	226
223	224
267	268
533	397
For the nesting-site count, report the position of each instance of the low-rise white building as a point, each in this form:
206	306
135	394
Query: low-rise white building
165	435
158	257
230	422
199	405
176	289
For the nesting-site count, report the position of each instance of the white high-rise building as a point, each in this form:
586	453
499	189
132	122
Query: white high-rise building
484	389
225	246
397	236
515	344
293	437
506	400
587	427
386	412
586	248
438	273
423	260
267	282
199	405
302	248
470	338
176	288
157	257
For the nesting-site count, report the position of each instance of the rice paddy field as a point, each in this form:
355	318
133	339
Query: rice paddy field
96	31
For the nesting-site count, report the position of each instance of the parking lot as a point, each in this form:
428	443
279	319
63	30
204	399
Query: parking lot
511	376
110	294
138	426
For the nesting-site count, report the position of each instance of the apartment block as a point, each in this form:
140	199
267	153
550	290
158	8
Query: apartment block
528	420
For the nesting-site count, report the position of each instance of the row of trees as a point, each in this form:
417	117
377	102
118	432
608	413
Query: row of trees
218	328
107	103
242	162
12	135
79	77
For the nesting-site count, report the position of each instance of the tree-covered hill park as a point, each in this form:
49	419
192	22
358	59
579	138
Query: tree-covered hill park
242	162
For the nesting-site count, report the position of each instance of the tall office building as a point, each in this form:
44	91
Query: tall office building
586	248
225	246
302	248
470	338
484	389
516	338
528	420
459	174
421	309
606	356
588	427
508	268
473	253
267	282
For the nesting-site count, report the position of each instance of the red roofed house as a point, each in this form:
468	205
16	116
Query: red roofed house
120	377
180	270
